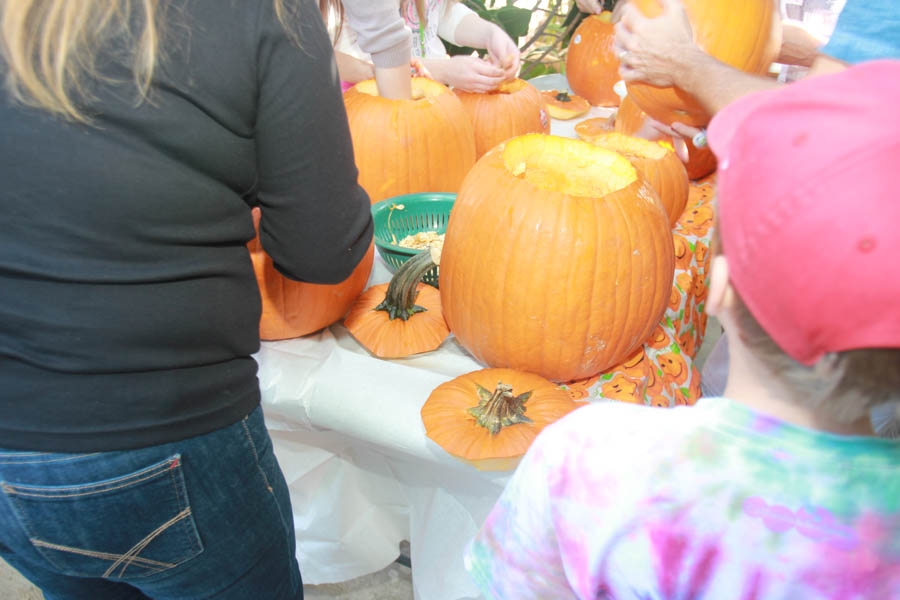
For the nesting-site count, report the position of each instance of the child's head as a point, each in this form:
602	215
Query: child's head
809	220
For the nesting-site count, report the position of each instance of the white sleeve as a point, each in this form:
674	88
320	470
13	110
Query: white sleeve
453	13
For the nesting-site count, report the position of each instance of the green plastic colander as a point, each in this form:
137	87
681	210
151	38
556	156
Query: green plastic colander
400	216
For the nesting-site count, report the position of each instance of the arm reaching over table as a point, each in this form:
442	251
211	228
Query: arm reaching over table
661	51
461	26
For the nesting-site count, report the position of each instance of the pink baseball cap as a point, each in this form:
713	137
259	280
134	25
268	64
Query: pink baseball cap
809	209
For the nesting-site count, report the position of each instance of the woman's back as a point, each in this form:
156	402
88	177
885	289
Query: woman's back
129	308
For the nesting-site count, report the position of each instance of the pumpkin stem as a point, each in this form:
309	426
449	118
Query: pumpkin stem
563	97
499	409
399	301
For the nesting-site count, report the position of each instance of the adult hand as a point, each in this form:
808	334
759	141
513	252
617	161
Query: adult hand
591	6
502	52
679	133
472	74
656	50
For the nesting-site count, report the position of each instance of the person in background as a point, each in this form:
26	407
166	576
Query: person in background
779	489
382	35
431	21
136	139
661	51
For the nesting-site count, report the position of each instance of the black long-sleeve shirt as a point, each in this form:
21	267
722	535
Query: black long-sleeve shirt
128	307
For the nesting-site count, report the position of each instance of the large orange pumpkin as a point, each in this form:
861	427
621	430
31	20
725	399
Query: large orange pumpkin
591	64
558	258
514	108
660	167
745	35
294	308
630	118
489	418
426	144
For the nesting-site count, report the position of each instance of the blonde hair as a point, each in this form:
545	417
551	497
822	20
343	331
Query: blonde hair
51	47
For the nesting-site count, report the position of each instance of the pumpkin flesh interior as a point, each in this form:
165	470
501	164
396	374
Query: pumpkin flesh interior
422	88
510	86
630	146
569	166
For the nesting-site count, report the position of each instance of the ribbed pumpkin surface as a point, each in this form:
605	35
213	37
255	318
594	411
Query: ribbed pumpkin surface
659	166
426	144
449	423
558	258
514	108
591	64
629	119
387	338
294	308
744	34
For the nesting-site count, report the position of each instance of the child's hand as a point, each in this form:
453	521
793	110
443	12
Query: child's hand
472	74
418	68
503	52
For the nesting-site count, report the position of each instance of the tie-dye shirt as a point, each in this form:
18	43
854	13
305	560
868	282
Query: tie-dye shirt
715	501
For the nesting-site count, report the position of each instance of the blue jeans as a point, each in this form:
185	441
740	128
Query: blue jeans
207	517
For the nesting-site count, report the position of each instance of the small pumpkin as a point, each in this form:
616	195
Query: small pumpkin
291	308
564	106
426	144
659	166
514	108
630	118
592	68
558	258
745	35
402	317
489	418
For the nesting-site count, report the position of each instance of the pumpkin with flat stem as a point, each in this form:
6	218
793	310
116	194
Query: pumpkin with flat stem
630	118
400	318
745	35
426	144
659	166
558	258
592	68
489	418
514	108
291	308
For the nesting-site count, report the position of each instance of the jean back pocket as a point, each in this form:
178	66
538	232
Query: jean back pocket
123	527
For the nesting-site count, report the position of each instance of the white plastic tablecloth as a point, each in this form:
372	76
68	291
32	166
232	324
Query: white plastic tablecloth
363	476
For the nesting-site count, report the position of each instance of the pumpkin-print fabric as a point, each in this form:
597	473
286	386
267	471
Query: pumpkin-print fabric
662	372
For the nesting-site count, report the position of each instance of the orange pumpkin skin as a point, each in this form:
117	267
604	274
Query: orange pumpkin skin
450	425
745	35
592	68
556	283
291	308
426	144
659	166
564	106
514	108
630	118
387	338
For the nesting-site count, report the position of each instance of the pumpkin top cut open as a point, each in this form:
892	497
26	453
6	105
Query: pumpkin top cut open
422	89
568	166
